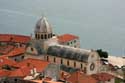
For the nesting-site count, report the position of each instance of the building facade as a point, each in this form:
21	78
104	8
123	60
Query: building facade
63	50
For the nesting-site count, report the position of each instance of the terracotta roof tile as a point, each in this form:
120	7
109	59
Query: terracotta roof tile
6	49
14	38
15	52
102	76
80	77
21	72
5	61
4	73
66	38
40	65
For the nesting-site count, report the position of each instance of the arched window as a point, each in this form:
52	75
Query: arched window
36	36
54	59
81	66
45	36
74	64
42	36
32	49
68	62
61	61
47	58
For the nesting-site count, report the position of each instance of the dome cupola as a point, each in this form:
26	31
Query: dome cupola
43	29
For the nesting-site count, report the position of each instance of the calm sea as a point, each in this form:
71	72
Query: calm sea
98	23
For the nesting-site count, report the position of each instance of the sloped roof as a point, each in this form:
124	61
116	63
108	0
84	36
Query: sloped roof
5	61
69	53
15	52
23	68
4	73
102	76
14	38
80	77
21	72
40	65
6	49
66	38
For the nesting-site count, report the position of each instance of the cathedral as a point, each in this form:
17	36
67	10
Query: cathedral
63	50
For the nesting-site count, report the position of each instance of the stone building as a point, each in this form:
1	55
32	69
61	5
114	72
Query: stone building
86	60
43	37
47	46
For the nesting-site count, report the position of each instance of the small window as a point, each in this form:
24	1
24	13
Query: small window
109	80
74	41
61	61
81	66
15	59
42	36
71	42
45	36
36	36
22	57
15	80
47	58
54	59
74	64
68	63
68	43
21	45
32	49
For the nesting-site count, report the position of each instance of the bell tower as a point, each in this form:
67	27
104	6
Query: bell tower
43	30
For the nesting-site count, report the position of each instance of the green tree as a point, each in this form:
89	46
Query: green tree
102	54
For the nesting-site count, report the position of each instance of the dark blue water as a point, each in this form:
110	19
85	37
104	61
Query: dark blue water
98	23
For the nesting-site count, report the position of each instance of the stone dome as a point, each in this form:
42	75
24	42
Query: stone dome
42	26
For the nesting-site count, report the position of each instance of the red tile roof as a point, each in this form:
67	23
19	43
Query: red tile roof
4	73
5	61
41	81
22	68
103	76
21	72
15	52
66	38
40	65
80	77
14	38
6	49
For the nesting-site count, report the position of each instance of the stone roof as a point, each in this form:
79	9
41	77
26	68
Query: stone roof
69	53
14	38
42	26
